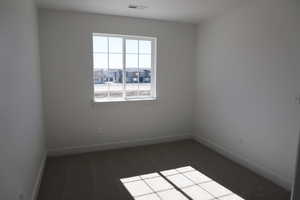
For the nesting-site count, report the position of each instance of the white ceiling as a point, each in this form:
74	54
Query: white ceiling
174	10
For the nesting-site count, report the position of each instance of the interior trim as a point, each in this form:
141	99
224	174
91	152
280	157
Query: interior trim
115	145
252	165
38	180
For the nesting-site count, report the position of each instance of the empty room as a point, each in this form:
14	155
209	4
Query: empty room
149	99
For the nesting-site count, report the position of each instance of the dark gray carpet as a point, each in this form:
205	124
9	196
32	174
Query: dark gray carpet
95	176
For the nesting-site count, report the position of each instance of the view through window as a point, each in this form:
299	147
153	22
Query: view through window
124	67
183	183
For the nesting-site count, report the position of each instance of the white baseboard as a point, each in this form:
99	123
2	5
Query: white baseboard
248	163
115	145
39	178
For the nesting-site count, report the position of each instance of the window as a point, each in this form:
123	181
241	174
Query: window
124	67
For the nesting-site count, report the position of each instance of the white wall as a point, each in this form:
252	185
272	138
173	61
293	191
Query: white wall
72	120
22	147
247	80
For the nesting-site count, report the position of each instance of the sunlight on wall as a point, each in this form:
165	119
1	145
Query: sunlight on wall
177	184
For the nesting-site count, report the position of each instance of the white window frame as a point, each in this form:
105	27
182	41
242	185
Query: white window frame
153	67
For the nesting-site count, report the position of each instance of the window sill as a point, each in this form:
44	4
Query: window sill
124	100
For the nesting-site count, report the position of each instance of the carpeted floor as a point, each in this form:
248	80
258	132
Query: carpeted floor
96	175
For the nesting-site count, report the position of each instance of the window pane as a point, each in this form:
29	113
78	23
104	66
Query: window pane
145	82
115	61
131	46
132	80
132	75
100	83
145	61
100	44
115	83
145	76
145	46
115	76
100	60
131	90
115	45
131	61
